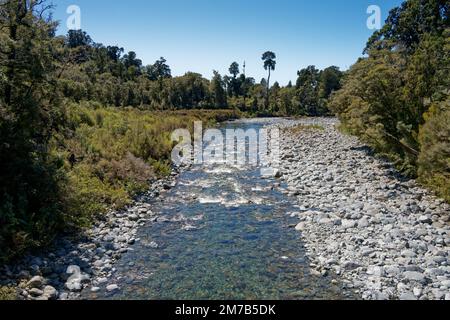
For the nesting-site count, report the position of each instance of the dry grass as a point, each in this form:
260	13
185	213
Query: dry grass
7	293
302	128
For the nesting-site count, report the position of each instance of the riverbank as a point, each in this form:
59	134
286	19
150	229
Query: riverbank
75	262
384	235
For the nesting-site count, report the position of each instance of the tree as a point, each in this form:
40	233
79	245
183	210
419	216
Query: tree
159	70
131	60
30	113
330	81
308	90
234	69
218	91
114	53
407	23
269	64
132	64
78	38
245	85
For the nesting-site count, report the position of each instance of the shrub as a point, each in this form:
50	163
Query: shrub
434	160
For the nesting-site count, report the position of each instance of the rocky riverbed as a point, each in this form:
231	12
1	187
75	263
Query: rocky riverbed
85	261
362	224
383	235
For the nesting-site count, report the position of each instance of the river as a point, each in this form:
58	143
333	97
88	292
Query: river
223	232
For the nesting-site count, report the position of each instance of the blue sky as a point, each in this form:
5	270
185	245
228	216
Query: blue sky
206	35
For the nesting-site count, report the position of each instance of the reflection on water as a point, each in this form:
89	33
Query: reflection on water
224	233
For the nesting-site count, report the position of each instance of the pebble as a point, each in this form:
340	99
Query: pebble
112	287
50	293
414	276
35	292
36	282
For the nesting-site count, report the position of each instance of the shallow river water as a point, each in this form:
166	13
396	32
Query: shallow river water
224	232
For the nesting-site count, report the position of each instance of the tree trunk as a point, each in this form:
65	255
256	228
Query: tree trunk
268	91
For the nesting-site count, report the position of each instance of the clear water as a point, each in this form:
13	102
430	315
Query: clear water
223	233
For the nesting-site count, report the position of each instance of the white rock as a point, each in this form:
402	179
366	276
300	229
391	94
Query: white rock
112	287
301	226
417	292
36	282
50	293
414	276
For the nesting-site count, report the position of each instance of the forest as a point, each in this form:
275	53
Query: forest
85	126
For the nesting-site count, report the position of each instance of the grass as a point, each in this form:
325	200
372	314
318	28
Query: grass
7	293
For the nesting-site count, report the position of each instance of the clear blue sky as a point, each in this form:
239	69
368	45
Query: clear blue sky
202	35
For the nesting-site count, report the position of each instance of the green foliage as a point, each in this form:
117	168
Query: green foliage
434	159
395	99
234	69
218	92
30	113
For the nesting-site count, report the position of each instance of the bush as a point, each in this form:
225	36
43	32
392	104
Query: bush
434	160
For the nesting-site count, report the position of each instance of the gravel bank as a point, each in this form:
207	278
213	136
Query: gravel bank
383	235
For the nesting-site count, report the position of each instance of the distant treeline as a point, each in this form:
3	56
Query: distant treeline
107	74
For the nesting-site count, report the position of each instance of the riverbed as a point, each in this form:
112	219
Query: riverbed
223	232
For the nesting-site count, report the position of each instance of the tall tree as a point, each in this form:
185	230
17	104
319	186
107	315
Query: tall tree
308	90
269	64
159	71
218	91
234	69
114	53
330	81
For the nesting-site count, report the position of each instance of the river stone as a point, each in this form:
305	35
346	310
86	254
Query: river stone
301	226
363	223
350	265
414	276
407	296
50	293
112	287
425	220
417	292
348	224
35	292
36	282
